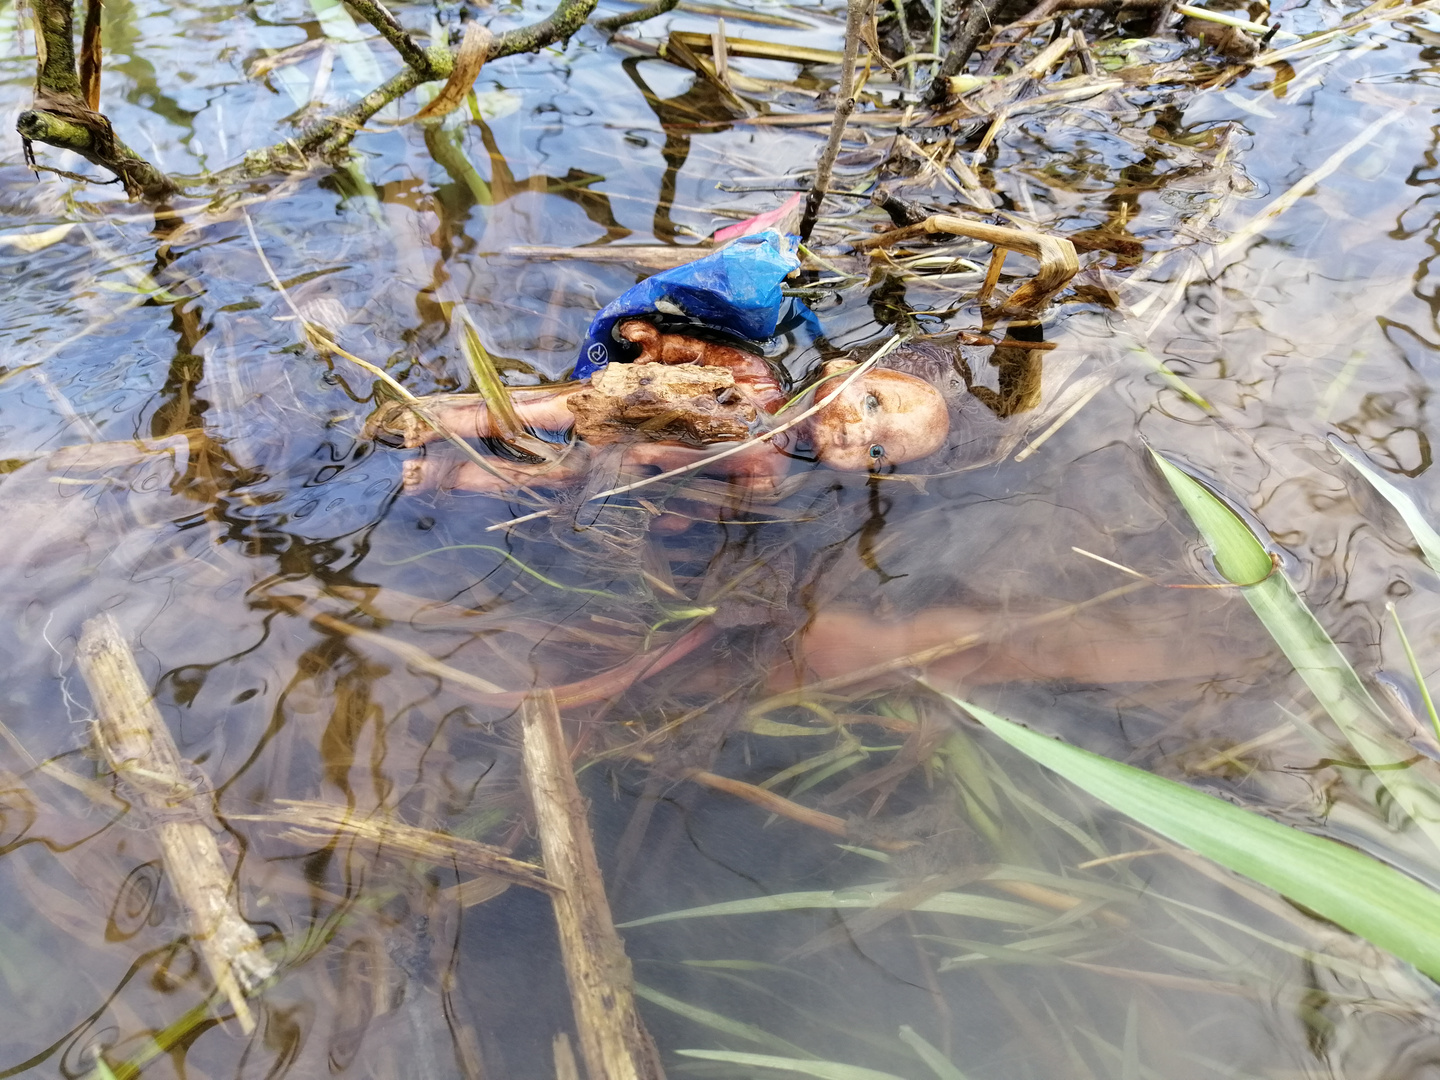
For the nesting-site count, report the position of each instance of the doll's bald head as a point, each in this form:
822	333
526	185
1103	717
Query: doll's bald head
882	418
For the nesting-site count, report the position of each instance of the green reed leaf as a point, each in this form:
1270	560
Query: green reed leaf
1415	671
824	1070
1360	893
1425	535
939	1064
1413	781
736	1029
488	382
976	907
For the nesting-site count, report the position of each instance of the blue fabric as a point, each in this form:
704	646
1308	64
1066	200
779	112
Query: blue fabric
737	289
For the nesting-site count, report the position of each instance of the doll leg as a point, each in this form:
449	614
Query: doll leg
1160	641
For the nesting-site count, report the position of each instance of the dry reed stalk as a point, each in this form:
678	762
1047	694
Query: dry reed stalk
307	818
136	743
653	256
613	1041
1056	255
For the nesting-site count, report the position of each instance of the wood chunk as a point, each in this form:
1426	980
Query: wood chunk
135	741
683	403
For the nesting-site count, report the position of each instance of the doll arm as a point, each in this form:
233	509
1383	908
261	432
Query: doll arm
758	470
467	416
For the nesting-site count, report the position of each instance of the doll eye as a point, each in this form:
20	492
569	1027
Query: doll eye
871	404
876	451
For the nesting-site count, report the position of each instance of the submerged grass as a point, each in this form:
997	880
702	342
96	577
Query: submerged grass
1354	890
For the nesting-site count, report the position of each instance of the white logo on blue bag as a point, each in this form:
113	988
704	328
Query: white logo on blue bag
596	353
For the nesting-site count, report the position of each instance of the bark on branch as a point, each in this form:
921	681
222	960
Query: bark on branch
378	16
649	11
60	117
844	106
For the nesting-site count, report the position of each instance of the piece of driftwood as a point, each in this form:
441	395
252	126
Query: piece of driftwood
684	403
613	1041
135	741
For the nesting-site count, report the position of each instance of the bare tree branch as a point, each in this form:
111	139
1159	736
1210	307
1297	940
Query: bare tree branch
844	106
61	117
329	136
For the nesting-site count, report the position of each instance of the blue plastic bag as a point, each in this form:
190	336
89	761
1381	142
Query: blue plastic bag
737	289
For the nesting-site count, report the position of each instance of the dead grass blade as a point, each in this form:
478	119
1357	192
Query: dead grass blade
307	819
487	379
474	51
90	49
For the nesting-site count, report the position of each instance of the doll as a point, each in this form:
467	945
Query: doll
712	394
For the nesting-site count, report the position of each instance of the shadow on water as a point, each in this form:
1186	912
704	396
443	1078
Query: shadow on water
922	902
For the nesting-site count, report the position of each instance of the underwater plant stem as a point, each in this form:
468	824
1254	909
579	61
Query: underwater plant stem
844	106
613	1041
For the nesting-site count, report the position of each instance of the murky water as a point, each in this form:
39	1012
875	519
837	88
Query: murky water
257	553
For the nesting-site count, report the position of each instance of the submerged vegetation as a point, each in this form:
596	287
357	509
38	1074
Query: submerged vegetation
303	775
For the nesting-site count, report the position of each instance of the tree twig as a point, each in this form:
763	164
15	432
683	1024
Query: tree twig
378	16
328	136
844	106
60	116
977	22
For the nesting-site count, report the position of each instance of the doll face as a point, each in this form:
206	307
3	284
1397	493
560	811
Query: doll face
882	418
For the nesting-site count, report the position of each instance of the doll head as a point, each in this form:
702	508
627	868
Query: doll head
884	417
